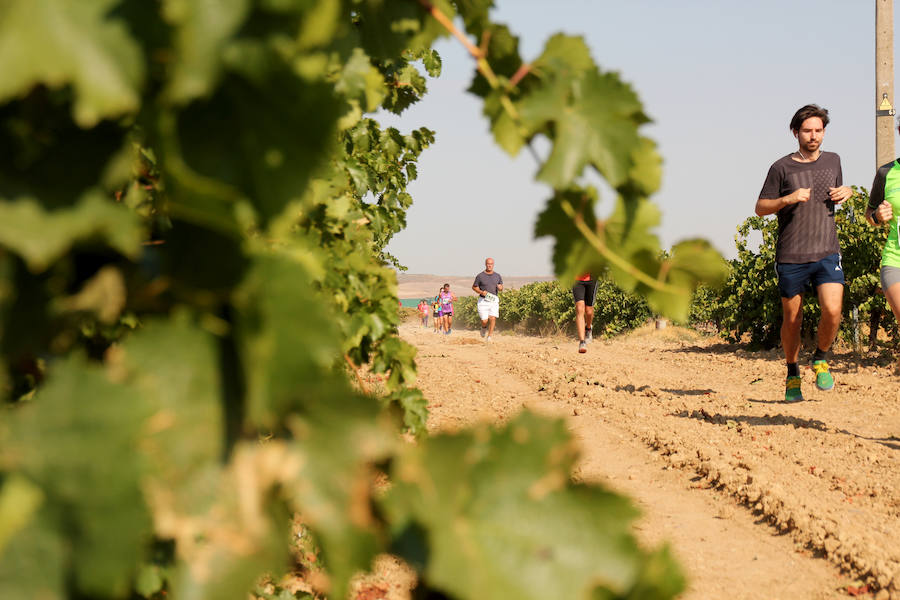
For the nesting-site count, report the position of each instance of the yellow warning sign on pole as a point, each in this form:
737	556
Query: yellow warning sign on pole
885	109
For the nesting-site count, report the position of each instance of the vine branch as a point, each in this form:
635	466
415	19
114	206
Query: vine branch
600	245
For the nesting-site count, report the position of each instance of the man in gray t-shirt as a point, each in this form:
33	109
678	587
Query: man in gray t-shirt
488	284
802	189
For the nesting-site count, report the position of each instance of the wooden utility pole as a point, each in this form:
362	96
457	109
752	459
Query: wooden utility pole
884	82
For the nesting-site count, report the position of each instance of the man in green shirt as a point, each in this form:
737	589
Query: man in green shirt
883	209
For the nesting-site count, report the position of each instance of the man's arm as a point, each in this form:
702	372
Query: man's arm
500	283
477	289
877	205
766	206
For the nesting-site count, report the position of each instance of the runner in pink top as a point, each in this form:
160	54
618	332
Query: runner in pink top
447	298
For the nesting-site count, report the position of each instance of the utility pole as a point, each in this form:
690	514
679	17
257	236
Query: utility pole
884	82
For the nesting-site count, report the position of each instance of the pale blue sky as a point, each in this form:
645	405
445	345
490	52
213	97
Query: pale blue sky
721	80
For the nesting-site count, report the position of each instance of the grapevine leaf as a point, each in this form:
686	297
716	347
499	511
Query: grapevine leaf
33	563
19	500
646	170
388	27
502	55
572	254
40	146
337	444
475	14
174	366
66	442
496	516
41	237
284	338
264	145
202	30
361	81
432	62
627	233
593	116
690	262
242	537
70	43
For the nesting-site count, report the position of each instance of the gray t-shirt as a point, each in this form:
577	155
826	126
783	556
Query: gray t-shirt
488	282
806	231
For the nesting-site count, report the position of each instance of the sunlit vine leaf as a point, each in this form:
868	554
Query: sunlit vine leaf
495	515
70	43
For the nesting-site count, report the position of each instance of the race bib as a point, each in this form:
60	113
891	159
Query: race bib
491	297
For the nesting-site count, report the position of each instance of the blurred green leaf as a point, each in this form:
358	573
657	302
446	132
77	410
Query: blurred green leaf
78	441
338	443
174	365
41	237
70	43
33	563
285	342
202	30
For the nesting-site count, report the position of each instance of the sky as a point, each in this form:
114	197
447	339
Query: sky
720	79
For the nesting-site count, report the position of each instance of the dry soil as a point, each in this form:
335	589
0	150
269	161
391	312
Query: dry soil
758	498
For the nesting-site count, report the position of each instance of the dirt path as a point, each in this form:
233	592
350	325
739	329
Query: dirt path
759	499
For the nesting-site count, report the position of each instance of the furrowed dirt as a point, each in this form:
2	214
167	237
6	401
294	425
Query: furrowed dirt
758	498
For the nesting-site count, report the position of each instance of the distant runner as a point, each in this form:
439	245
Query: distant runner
436	313
803	188
488	285
883	209
584	291
447	298
423	309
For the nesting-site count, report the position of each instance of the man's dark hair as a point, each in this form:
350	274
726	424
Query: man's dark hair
810	110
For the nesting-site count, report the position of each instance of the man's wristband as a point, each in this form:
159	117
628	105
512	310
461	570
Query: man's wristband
875	218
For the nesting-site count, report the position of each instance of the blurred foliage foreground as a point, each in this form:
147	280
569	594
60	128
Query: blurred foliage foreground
193	215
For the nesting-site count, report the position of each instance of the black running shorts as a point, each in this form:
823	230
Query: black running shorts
584	291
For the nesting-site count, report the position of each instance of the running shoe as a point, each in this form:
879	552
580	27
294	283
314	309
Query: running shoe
792	391
483	331
824	379
582	347
488	338
588	335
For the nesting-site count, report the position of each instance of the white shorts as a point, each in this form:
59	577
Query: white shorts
488	308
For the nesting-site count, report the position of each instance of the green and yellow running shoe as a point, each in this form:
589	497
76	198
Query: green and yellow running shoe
824	380
792	391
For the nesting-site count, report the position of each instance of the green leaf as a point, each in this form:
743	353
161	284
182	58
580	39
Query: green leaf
284	340
245	535
19	500
257	145
41	237
502	55
628	234
174	366
690	263
78	441
572	254
594	117
496	516
388	27
70	43
33	563
202	30
361	81
338	442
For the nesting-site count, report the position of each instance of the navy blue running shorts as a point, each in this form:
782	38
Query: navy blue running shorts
796	278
